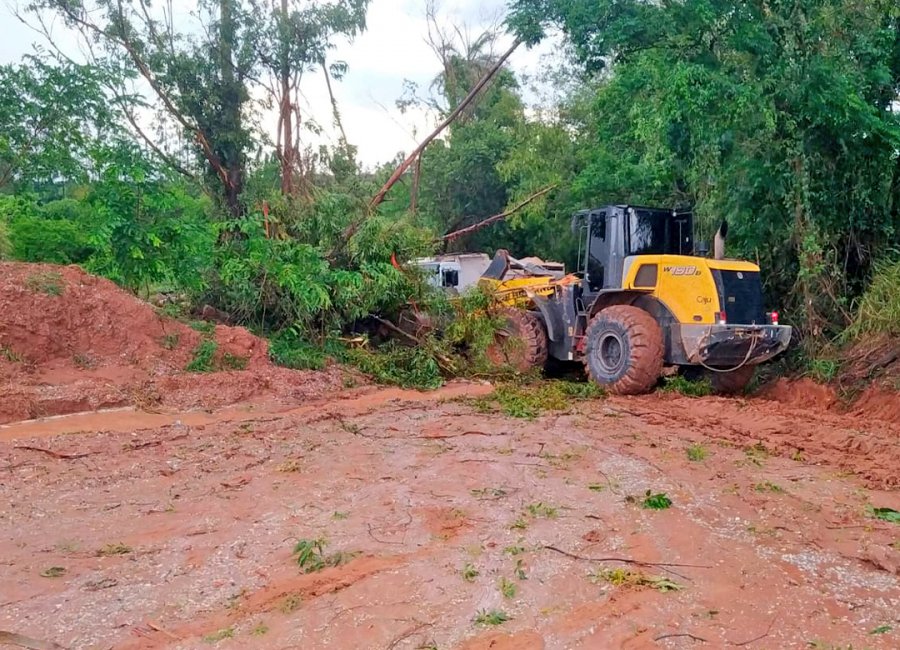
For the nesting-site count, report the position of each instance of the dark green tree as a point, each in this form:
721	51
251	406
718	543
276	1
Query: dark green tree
775	115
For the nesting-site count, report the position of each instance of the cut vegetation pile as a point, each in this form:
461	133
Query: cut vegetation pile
71	341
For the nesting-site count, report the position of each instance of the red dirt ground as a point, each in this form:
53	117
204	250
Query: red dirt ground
70	342
770	548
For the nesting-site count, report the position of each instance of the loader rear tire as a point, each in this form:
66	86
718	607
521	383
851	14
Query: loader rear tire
731	383
624	350
521	343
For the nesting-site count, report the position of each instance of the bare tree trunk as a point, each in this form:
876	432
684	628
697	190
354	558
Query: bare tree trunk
230	153
414	193
338	122
287	137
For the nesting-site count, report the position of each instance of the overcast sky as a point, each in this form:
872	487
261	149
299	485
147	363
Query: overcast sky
392	49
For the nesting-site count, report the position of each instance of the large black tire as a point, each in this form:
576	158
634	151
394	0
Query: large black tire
521	343
624	350
734	382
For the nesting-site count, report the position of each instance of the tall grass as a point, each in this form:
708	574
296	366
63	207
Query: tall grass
878	309
5	246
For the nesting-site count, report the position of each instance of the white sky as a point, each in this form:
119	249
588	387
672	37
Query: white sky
392	49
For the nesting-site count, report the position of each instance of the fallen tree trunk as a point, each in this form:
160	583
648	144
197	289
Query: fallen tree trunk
351	229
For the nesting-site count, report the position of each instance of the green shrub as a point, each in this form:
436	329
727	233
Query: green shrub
287	349
399	365
56	241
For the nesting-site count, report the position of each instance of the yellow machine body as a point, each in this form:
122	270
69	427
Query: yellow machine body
683	284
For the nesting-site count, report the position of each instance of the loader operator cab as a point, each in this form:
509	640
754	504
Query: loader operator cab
610	234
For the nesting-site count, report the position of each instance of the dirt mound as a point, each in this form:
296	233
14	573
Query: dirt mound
801	393
867	386
71	341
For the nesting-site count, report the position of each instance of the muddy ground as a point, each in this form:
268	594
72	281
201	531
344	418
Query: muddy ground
149	530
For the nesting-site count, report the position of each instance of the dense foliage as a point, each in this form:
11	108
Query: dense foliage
780	116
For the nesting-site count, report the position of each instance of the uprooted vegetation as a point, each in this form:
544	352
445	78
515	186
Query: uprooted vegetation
529	399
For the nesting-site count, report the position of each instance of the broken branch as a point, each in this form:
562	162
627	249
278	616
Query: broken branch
626	560
55	454
497	217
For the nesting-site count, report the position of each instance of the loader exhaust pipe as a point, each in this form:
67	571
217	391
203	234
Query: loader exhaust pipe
719	242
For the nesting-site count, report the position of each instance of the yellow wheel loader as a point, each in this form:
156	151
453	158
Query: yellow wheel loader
641	299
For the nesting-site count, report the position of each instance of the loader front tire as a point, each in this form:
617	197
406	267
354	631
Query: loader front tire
521	343
624	350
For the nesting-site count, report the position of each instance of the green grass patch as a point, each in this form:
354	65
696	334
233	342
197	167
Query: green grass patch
507	588
170	341
203	326
519	524
49	283
398	365
696	453
11	355
529	400
233	361
684	386
541	510
469	572
220	635
204	357
767	486
491	617
822	371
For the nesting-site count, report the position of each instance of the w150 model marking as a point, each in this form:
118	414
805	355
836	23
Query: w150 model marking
681	270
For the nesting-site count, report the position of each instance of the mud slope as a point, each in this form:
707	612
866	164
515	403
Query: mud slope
71	341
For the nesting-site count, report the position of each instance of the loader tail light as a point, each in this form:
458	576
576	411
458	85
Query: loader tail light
723	319
773	318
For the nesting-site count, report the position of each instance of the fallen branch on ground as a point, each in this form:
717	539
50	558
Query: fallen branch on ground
444	362
687	634
56	454
626	560
756	638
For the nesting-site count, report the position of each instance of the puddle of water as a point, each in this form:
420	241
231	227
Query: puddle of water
130	419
